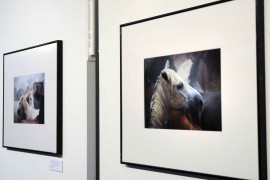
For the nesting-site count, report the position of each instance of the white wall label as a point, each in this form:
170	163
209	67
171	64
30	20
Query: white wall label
56	164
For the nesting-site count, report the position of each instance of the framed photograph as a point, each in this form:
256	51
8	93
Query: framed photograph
192	91
32	99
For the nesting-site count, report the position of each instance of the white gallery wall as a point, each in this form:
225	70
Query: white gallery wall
27	23
110	18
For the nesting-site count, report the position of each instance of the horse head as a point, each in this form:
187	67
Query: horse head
31	99
180	96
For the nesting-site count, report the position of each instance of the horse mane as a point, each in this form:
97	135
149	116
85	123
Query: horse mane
158	106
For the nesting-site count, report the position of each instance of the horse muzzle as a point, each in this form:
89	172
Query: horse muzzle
194	108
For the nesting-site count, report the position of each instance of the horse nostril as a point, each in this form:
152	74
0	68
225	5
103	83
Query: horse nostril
201	103
198	100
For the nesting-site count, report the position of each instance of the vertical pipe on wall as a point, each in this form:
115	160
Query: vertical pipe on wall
91	95
91	120
91	28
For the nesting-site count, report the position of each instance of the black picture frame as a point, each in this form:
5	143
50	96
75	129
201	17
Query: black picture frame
46	62
137	26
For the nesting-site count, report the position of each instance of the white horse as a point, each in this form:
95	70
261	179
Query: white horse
27	103
172	93
30	111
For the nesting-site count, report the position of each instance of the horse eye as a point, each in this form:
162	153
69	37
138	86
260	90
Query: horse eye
180	86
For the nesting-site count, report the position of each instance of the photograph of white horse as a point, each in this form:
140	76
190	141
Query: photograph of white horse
172	93
29	99
183	91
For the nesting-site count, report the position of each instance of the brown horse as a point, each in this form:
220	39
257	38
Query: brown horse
178	120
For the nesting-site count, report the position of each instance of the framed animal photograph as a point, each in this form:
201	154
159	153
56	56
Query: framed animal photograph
196	82
193	90
32	111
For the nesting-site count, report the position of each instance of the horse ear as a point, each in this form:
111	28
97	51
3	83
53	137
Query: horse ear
167	65
165	76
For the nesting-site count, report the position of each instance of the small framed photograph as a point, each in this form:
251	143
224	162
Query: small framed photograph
32	107
193	91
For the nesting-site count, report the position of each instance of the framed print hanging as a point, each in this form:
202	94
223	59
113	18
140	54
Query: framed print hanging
192	91
32	103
